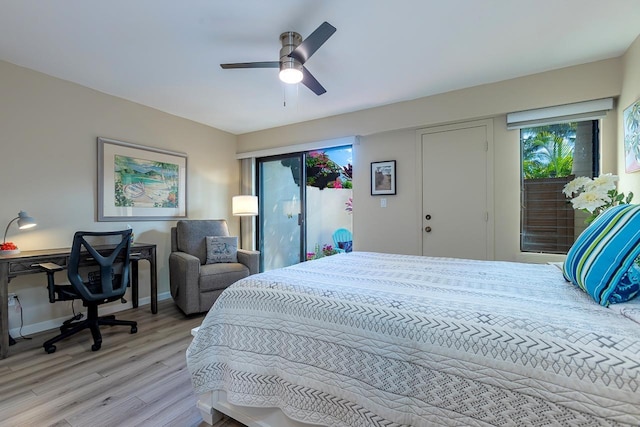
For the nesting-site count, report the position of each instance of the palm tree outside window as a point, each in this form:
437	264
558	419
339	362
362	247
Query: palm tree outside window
552	156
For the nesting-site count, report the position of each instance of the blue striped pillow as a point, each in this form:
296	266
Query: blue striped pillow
602	255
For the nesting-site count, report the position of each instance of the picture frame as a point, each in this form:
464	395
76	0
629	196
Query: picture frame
139	183
383	178
631	125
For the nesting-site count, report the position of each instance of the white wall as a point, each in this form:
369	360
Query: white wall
388	133
325	214
630	94
387	229
48	167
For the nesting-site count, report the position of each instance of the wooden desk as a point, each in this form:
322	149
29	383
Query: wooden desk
25	263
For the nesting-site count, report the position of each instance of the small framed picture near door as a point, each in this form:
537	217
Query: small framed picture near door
383	178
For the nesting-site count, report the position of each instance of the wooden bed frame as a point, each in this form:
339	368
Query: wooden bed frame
214	405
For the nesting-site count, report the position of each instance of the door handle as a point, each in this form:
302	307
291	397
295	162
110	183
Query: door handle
427	229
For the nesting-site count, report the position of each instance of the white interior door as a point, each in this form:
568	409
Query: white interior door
455	214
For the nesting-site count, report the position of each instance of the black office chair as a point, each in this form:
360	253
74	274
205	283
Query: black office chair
97	288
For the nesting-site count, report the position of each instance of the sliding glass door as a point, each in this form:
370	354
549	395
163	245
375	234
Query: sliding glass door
281	220
305	206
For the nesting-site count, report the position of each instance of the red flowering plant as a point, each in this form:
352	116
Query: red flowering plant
344	180
322	172
326	250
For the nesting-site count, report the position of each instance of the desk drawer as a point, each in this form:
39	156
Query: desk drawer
140	253
29	266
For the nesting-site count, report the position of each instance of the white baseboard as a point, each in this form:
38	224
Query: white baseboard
55	323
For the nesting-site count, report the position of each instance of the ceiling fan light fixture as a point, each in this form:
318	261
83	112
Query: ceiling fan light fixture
290	69
293	55
290	75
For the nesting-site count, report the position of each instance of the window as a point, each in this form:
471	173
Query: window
552	155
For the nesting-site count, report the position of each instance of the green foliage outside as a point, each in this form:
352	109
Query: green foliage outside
547	151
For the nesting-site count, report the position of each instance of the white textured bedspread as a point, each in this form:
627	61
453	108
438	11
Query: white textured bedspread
366	339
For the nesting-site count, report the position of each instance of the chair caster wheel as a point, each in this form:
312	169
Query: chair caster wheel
96	347
134	329
50	349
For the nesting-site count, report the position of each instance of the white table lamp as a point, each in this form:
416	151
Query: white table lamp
244	205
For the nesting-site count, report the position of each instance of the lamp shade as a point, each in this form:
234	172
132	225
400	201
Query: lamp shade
244	205
24	222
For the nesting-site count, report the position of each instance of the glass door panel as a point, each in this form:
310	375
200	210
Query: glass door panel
328	201
280	235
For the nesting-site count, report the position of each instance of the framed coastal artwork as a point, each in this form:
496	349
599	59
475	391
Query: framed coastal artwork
138	183
383	178
631	123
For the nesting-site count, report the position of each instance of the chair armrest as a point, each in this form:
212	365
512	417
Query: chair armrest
185	266
251	259
50	267
185	257
184	269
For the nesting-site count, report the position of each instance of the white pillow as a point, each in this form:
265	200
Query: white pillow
222	249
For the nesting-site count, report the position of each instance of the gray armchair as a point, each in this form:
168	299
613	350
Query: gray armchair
194	284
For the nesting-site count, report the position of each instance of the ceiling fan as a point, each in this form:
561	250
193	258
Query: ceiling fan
293	54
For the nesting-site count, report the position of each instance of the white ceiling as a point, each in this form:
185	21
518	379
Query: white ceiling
166	53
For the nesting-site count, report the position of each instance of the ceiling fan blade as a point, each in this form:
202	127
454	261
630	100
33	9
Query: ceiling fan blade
266	64
312	43
309	81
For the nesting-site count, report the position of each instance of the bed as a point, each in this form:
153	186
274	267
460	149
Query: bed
372	339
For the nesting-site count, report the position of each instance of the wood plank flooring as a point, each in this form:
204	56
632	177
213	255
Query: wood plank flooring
133	380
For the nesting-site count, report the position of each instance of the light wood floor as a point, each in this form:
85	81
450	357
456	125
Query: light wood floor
134	380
